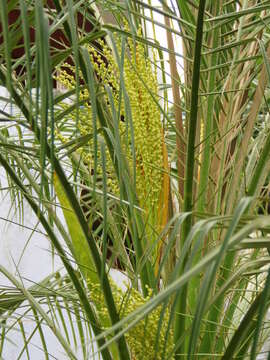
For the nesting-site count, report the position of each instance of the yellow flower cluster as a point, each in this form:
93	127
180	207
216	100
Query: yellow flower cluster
142	89
144	334
147	126
84	115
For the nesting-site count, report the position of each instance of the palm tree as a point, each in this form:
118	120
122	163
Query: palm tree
135	164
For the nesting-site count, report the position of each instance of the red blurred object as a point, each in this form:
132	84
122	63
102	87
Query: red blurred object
58	39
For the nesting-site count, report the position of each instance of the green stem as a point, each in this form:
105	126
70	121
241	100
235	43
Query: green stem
206	156
203	187
179	327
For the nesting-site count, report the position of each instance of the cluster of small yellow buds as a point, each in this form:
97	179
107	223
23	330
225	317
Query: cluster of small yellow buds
144	334
142	89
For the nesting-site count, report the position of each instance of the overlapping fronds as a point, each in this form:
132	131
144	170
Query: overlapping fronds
138	134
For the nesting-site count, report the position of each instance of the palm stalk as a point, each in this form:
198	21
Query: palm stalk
188	199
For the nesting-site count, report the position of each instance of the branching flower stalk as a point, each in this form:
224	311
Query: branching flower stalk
151	156
152	179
